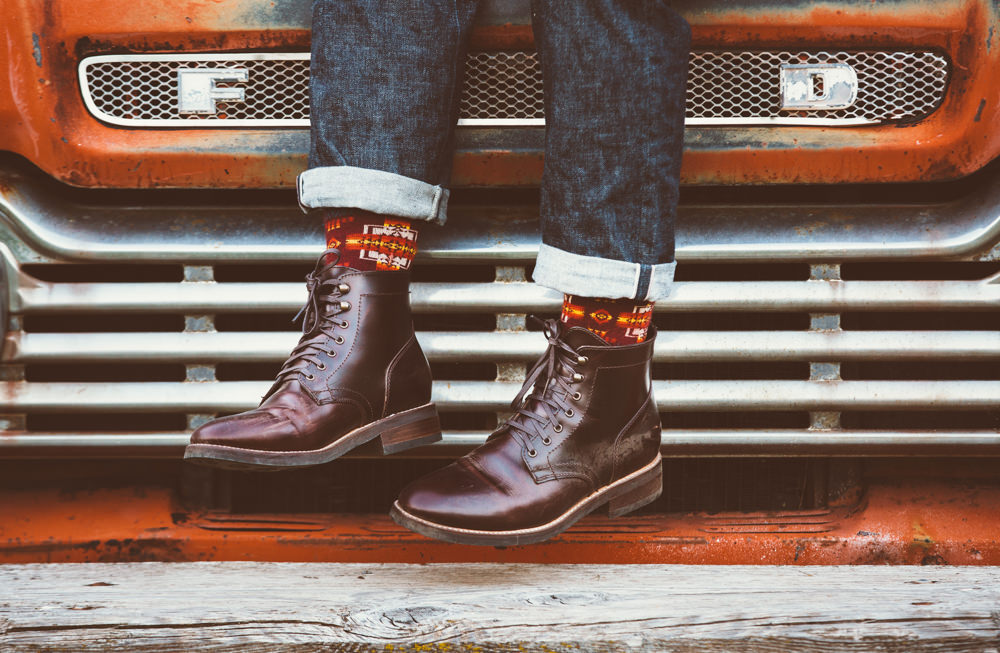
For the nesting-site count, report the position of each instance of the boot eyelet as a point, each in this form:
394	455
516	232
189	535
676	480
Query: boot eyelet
339	340
557	428
344	324
331	354
570	412
577	378
321	367
546	441
310	377
532	453
581	360
345	306
577	396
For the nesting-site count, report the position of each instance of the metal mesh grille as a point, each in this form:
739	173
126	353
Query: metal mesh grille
722	86
891	85
278	89
502	85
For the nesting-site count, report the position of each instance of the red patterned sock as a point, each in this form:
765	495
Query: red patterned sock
617	321
369	241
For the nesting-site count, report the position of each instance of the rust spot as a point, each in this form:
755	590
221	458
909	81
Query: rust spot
979	111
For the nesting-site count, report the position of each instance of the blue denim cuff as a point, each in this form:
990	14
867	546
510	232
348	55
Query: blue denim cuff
590	276
333	187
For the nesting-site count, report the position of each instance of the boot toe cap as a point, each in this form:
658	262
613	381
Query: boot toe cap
244	431
457	498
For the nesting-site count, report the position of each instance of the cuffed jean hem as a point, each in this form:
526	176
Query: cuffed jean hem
334	187
590	276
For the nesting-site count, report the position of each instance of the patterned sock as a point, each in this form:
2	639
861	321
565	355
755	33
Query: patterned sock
369	241
617	321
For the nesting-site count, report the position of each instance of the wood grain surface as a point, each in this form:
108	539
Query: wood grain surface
233	606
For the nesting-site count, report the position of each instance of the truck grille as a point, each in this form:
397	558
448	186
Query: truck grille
125	359
724	87
795	329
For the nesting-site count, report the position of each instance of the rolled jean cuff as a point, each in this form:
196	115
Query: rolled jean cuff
590	276
377	191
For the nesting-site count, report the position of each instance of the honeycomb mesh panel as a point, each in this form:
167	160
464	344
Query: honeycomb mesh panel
277	89
737	86
892	86
502	85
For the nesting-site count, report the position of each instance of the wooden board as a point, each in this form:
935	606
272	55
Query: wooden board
237	606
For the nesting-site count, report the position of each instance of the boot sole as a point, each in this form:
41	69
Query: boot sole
406	430
629	493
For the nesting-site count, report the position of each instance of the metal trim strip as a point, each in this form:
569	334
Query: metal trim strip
468	346
38	297
470	396
40	216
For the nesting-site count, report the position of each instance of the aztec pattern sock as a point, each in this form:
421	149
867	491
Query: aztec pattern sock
617	321
369	241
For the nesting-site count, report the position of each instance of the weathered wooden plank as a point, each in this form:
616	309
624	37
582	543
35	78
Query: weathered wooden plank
489	607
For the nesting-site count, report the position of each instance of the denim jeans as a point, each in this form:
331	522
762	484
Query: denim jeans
386	78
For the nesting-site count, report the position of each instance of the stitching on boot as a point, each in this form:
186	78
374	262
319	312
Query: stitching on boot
576	470
479	471
391	368
354	398
624	433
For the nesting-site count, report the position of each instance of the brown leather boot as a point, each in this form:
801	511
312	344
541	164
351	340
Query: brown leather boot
357	374
587	435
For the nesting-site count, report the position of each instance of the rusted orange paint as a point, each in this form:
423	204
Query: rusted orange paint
502	37
932	522
484	167
44	119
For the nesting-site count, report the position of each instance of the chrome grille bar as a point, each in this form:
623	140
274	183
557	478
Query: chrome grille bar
836	296
455	396
54	228
455	347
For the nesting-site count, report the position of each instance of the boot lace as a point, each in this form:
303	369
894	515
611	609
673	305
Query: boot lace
319	322
546	393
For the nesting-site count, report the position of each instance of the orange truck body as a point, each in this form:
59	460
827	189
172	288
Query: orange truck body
46	40
939	510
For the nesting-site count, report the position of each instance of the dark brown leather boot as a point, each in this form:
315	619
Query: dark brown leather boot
587	435
357	374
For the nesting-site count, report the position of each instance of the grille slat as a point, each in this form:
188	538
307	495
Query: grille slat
493	396
449	298
721	392
724	87
466	347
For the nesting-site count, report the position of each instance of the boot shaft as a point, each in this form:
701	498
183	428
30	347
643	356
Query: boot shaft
613	425
377	361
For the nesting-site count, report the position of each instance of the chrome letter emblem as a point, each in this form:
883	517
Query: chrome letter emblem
197	92
814	87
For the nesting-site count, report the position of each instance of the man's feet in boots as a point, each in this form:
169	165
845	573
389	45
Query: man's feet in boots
357	374
586	436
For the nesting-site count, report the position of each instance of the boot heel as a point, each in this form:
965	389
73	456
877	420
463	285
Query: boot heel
420	428
645	489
